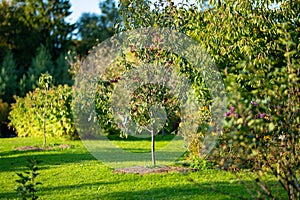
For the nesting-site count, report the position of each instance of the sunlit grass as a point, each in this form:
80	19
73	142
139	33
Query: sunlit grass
74	173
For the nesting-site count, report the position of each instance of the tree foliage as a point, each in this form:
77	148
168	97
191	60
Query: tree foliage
136	14
28	24
256	47
8	78
49	19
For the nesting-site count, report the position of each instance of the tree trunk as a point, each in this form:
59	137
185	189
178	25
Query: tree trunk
45	131
153	147
44	118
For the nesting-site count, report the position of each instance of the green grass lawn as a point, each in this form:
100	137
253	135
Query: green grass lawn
73	173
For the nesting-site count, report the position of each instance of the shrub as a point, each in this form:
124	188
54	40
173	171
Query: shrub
26	120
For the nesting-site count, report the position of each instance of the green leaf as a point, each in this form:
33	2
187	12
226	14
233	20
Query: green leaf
271	126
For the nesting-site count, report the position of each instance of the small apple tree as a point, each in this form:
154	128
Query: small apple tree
45	82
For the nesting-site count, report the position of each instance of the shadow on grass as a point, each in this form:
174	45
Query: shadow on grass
20	152
203	191
214	190
18	162
57	189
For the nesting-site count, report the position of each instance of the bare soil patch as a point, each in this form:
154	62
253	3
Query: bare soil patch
141	170
33	148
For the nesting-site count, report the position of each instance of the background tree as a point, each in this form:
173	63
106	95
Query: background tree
42	63
89	32
29	24
16	36
8	78
61	72
95	28
49	18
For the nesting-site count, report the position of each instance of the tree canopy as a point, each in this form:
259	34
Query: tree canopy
94	28
28	24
